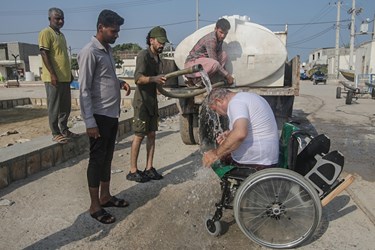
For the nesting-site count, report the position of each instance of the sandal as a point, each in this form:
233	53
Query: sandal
116	202
60	139
103	217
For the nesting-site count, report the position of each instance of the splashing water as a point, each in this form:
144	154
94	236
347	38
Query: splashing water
206	80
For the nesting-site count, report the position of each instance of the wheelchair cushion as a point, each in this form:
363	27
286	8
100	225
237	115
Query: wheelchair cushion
240	173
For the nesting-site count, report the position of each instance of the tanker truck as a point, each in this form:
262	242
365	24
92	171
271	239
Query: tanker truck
257	58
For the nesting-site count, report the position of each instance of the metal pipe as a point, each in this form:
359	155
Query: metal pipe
193	69
190	93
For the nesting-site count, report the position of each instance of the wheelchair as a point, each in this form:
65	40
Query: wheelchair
282	207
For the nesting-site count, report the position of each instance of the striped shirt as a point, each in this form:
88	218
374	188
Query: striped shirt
208	47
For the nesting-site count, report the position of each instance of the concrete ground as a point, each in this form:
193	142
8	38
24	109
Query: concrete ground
50	208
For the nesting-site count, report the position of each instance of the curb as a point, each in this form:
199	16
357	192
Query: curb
23	160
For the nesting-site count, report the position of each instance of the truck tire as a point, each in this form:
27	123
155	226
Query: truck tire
186	129
349	97
338	92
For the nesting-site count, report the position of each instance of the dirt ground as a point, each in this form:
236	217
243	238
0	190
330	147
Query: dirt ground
23	123
50	208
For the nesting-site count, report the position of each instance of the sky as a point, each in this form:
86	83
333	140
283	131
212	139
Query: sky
311	23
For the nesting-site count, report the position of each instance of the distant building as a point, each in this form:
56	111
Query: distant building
14	59
363	59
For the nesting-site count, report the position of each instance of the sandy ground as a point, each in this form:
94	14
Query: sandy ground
50	209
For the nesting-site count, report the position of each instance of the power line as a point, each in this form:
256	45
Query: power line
90	30
311	37
92	8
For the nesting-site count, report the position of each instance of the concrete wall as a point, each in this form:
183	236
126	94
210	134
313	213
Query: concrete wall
23	160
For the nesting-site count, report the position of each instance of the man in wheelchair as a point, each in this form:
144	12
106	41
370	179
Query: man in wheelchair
276	187
252	138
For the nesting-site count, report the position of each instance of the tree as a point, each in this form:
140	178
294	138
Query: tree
118	61
131	47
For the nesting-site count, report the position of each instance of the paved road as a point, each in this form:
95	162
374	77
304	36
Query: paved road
50	207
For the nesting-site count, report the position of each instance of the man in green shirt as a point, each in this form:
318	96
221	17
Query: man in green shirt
57	76
148	73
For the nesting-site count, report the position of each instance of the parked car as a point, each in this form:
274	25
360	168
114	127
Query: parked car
303	76
318	77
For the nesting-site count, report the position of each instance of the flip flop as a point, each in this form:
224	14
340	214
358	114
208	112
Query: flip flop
116	202
103	217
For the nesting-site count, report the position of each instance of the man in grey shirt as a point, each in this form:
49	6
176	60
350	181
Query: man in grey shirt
100	99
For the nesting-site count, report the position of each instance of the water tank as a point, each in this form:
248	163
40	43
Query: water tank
29	77
256	55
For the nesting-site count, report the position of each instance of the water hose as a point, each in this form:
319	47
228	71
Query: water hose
185	93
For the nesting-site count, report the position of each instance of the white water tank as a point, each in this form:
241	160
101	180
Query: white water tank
29	77
256	55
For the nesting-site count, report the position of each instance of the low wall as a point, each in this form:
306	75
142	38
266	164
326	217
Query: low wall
23	160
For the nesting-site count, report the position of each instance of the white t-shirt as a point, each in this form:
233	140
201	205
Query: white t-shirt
261	146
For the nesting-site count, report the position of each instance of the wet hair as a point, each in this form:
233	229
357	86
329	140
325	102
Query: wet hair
55	10
109	18
217	93
223	24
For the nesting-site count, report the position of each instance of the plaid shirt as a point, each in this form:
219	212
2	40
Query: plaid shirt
208	47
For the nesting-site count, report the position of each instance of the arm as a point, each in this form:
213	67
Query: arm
159	79
140	69
87	64
124	85
47	62
234	139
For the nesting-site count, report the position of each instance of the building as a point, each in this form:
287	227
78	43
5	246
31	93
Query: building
363	59
14	59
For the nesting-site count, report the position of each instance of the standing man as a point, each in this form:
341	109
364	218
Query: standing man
147	76
57	76
252	138
209	53
100	99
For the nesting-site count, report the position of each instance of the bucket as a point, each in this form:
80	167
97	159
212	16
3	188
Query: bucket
29	77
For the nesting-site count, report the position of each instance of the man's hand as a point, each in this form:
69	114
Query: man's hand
159	79
230	79
221	137
54	80
126	87
93	132
209	157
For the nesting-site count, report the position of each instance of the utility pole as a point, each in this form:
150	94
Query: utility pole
197	14
337	47
352	35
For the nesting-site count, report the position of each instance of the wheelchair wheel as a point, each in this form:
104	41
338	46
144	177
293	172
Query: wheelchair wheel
213	227
277	208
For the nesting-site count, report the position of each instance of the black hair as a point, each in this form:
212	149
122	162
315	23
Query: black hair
148	38
109	18
223	24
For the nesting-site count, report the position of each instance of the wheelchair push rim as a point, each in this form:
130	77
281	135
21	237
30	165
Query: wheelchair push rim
277	208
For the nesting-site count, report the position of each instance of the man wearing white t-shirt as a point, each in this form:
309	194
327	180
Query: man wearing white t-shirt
252	138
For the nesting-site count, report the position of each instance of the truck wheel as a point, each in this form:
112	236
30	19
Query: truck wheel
186	129
338	92
349	97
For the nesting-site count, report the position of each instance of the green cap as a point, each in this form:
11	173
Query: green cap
160	34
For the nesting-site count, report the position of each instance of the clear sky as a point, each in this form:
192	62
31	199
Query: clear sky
311	23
